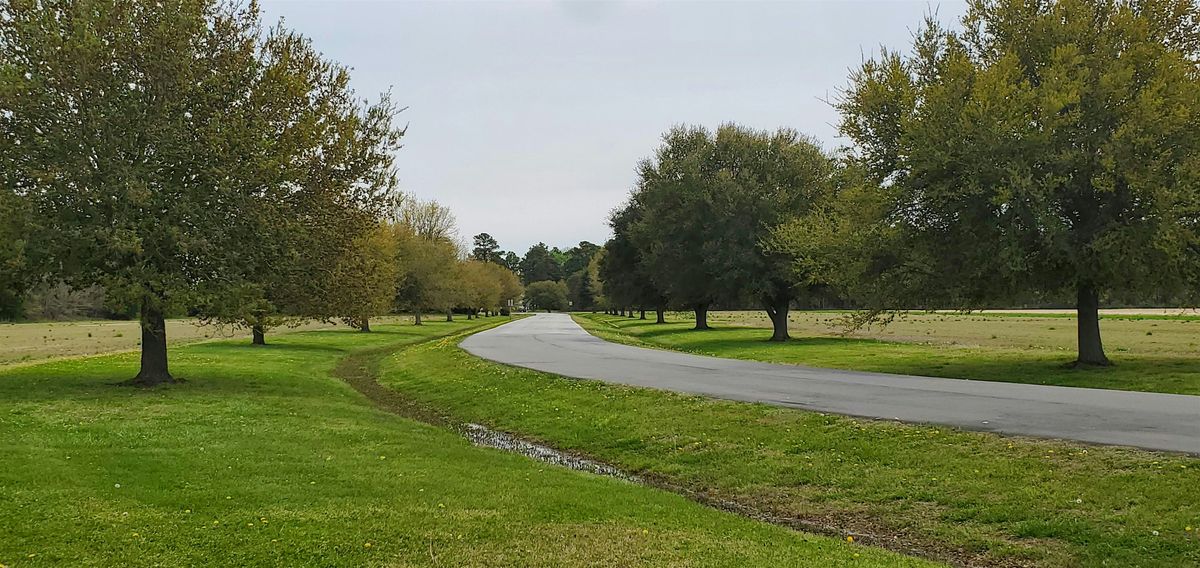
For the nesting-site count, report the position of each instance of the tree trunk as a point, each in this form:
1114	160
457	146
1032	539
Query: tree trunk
1091	349
643	315
777	310
701	317
417	317
154	349
366	325
259	333
449	315
661	313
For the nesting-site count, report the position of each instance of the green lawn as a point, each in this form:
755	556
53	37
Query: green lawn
965	497
262	458
32	342
1149	354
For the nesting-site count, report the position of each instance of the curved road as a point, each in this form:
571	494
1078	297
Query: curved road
556	344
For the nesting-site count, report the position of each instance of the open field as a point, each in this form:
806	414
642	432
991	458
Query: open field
263	458
968	498
38	341
1149	353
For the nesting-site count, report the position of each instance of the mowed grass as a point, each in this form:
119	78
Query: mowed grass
262	458
965	497
37	341
1153	354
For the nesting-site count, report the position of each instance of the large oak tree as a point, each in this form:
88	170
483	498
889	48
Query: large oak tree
710	201
1049	147
152	143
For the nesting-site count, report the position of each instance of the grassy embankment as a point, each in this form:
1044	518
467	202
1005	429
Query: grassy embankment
1150	353
263	458
969	498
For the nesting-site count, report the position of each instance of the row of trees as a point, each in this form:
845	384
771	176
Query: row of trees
409	262
1047	152
184	159
691	234
542	263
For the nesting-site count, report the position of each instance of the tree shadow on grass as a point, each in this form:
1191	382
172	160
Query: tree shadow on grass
227	367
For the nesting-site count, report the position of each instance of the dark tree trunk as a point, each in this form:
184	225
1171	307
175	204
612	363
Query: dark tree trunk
366	326
643	314
259	333
701	317
1091	349
661	313
417	317
449	316
777	310
154	349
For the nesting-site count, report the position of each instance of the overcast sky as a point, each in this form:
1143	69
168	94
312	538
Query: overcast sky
527	118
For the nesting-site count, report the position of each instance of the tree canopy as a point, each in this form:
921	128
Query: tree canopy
156	144
695	226
1048	148
546	295
540	264
486	249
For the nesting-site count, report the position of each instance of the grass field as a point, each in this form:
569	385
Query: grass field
968	498
1154	353
38	341
262	458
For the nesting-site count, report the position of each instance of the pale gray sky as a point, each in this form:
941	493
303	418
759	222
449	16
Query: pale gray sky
528	117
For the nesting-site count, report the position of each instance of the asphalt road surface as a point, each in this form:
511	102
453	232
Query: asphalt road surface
556	344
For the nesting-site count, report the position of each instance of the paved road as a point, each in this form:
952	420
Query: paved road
556	344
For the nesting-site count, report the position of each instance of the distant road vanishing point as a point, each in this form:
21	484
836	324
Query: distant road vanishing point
556	344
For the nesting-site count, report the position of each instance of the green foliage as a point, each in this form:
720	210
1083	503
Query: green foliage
581	288
15	272
175	156
697	224
578	257
368	274
511	261
546	295
511	289
481	285
540	264
427	280
1048	148
626	279
486	249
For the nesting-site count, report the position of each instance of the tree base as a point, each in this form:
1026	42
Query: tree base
1077	364
150	381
